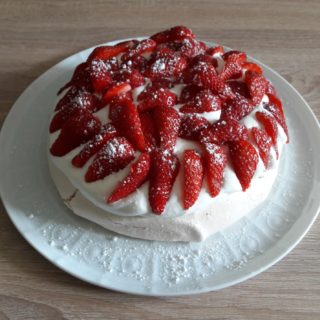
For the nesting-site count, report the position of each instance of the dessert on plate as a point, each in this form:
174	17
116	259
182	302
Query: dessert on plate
166	138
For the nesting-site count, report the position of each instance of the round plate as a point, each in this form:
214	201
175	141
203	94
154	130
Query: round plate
103	258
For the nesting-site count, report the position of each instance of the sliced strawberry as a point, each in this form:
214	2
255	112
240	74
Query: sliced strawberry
116	90
137	176
250	66
240	88
257	85
215	162
206	58
107	132
163	172
193	177
204	101
169	66
77	130
231	70
224	131
237	108
75	102
153	97
188	93
144	46
264	143
274	106
115	155
79	79
244	158
108	52
167	123
131	76
68	98
235	56
270	126
191	125
124	116
204	75
219	50
149	131
191	48
177	33
100	76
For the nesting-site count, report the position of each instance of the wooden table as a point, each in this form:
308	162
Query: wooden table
37	34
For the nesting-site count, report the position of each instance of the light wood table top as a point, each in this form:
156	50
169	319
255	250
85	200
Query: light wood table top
37	34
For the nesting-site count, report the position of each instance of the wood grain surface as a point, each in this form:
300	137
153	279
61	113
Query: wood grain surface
37	34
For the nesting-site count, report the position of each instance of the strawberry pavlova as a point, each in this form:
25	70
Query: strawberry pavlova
166	138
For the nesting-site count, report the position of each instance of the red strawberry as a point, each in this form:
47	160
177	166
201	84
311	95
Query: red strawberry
237	108
215	162
244	158
67	99
115	155
155	97
264	143
206	58
163	172
73	103
108	52
79	79
116	90
191	125
124	116
149	131
193	177
204	101
137	176
224	131
239	88
270	126
177	33
188	93
100	76
204	75
144	46
274	106
191	48
169	66
167	123
231	69
257	85
219	50
131	76
107	132
235	56
77	130
250	66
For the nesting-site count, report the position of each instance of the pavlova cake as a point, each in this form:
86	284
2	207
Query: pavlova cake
166	138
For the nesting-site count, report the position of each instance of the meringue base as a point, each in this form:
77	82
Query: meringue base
194	227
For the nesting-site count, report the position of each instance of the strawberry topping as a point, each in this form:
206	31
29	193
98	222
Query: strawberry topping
193	177
77	130
183	79
115	155
124	116
163	172
137	176
244	160
167	123
215	162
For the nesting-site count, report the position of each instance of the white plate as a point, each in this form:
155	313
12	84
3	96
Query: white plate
103	258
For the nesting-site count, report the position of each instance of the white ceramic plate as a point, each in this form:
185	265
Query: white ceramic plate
103	258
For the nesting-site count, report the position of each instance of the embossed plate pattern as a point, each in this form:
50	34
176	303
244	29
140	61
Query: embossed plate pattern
103	258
